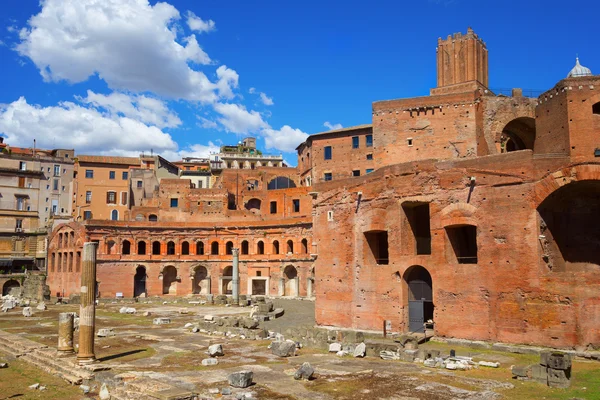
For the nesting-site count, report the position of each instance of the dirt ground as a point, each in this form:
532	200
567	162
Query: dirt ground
171	353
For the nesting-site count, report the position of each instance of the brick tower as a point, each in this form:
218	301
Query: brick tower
462	63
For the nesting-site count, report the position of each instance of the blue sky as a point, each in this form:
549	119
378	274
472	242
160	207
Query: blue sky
182	77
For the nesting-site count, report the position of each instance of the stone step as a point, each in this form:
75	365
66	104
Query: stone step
62	365
43	365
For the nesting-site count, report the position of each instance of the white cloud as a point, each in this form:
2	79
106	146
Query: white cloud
332	127
69	125
252	90
198	24
228	80
236	119
285	139
194	150
145	109
267	101
206	123
130	44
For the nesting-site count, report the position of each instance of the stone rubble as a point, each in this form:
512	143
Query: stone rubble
283	349
215	350
305	372
241	379
27	312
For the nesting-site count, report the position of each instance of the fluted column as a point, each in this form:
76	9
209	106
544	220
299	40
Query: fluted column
65	334
87	313
235	279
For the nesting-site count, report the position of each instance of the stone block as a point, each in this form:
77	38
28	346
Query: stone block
210	361
215	350
404	356
560	361
41	306
161	321
489	364
241	379
209	318
558	378
27	312
335	347
105	332
520	371
305	372
431	363
249	323
360	350
539	373
283	349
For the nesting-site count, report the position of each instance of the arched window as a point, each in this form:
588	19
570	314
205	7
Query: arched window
60	240
290	247
185	248
141	247
253	205
170	248
276	247
214	248
281	182
245	247
260	247
200	248
152	218
304	246
156	248
114	215
229	248
111	247
126	247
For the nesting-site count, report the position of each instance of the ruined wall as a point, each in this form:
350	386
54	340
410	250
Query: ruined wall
65	246
509	294
436	127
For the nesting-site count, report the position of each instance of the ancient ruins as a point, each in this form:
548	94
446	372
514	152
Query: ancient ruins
454	240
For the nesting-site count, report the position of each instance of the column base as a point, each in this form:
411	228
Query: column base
86	360
65	352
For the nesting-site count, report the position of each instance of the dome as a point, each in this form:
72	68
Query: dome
579	70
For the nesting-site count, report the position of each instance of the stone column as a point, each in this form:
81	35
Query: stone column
65	334
87	311
281	287
297	286
208	283
309	287
235	279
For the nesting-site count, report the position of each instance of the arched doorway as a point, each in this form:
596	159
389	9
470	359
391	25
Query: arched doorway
226	284
114	215
518	134
290	281
170	280
569	229
201	281
11	287
420	298
139	281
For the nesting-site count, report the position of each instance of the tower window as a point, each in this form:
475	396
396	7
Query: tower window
328	152
377	242
355	142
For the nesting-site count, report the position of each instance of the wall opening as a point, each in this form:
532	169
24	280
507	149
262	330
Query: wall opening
226	284
596	108
152	218
418	237
290	247
463	240
141	248
304	246
518	134
214	248
276	247
139	281
200	248
569	226
290	273
126	247
420	298
156	248
170	280
201	284
11	287
229	248
245	247
260	247
377	242
185	248
281	182
253	205
171	248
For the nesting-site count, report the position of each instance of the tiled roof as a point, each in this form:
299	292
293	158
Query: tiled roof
109	160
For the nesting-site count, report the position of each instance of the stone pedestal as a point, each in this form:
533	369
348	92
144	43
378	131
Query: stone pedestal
65	334
87	313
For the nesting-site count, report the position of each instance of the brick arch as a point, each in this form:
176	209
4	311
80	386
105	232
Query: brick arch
459	214
499	124
564	176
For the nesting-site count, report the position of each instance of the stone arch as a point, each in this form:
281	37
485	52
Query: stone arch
253	205
111	247
275	247
226	280
418	289
200	280
281	182
152	218
169	278
518	134
11	286
290	281
290	246
561	177
260	247
458	214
